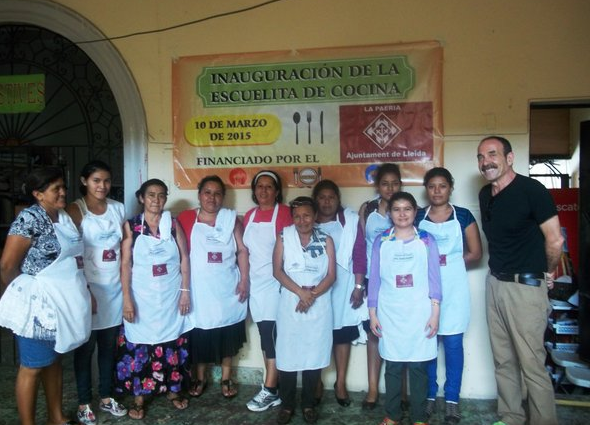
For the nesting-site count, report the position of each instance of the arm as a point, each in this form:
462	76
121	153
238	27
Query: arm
472	250
328	280
553	246
243	288
184	303
434	287
362	222
74	212
305	295
14	253
374	285
126	263
359	267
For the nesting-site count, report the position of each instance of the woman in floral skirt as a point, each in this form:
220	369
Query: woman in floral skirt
155	279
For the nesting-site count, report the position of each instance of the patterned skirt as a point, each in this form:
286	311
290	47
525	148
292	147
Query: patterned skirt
150	369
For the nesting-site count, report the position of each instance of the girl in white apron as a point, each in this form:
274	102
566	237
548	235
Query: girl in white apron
46	303
404	305
156	299
305	265
100	221
374	219
261	225
348	307
459	243
219	285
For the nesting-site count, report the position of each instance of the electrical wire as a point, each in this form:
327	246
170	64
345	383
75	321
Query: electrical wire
184	24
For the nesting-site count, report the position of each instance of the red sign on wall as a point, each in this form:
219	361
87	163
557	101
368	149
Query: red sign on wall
566	201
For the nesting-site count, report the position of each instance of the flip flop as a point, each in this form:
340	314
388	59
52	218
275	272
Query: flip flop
197	388
177	401
227	389
139	409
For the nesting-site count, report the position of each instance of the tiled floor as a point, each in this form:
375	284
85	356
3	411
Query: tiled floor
213	409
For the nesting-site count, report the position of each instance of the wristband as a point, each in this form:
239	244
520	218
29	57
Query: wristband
184	290
359	286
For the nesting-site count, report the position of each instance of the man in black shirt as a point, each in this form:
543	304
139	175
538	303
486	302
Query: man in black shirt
520	221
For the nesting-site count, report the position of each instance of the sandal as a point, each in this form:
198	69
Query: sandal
197	388
138	408
227	389
177	400
310	415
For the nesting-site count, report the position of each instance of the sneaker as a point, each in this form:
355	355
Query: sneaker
499	423
420	423
452	414
387	421
86	416
263	400
430	407
113	408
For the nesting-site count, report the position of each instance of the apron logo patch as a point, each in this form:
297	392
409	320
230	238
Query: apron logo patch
79	261
442	259
214	257
404	281
159	270
109	255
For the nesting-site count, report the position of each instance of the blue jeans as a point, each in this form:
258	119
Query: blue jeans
106	339
453	346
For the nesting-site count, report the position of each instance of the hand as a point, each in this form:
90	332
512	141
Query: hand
356	298
243	290
549	278
376	327
301	307
432	326
184	303
306	298
128	311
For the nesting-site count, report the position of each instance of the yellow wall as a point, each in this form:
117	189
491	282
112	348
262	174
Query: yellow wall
499	55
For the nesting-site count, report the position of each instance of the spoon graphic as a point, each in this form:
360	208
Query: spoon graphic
296	119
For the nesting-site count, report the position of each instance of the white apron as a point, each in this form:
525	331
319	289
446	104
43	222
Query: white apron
375	225
102	236
214	276
260	239
304	340
455	308
56	298
155	283
403	306
344	238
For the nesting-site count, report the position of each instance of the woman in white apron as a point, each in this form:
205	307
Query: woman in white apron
46	303
100	221
374	219
404	305
219	285
304	262
459	244
348	306
156	299
261	225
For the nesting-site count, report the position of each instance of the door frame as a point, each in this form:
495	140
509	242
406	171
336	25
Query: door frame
76	28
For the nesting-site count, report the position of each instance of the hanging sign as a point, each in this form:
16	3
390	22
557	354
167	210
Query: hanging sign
308	114
22	93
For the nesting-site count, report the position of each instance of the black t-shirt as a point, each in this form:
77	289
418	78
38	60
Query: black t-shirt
511	221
